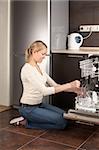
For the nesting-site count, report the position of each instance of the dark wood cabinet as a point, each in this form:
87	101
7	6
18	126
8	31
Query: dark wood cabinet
84	13
65	68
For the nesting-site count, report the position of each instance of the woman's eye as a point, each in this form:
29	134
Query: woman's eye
44	54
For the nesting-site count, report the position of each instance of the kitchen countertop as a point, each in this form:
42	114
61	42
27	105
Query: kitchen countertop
82	50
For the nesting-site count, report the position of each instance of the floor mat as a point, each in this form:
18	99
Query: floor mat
4	108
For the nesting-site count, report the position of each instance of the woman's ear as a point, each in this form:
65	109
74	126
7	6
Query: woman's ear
31	51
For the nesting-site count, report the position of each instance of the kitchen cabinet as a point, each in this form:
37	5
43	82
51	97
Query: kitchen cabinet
65	68
59	23
84	13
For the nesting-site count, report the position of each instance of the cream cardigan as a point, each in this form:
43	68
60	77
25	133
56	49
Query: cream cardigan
35	85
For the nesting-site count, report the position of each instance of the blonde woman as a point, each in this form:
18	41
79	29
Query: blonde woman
37	84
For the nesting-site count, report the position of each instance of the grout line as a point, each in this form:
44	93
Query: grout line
8	129
81	149
3	128
59	143
17	132
31	140
86	140
27	143
46	140
22	133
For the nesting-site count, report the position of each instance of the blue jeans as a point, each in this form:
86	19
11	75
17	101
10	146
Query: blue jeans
44	116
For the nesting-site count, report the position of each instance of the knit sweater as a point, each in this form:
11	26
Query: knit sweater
35	85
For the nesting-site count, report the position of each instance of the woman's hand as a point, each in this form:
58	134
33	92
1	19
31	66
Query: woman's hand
74	86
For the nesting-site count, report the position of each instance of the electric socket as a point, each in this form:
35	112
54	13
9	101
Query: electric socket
89	28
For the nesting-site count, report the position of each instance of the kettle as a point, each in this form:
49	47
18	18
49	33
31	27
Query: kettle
75	40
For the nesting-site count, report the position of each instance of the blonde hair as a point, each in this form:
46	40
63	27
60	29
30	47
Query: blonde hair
35	46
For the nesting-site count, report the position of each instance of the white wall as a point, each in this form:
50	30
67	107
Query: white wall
4	55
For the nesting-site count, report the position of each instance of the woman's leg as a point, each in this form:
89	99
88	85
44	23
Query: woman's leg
44	116
53	108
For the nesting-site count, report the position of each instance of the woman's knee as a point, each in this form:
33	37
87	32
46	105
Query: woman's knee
61	122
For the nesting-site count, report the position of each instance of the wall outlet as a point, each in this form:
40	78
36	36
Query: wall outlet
89	28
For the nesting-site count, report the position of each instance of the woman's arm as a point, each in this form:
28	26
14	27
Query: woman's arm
50	81
38	85
73	86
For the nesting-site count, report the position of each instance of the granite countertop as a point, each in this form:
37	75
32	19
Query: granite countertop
82	50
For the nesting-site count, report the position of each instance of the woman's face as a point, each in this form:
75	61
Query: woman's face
40	55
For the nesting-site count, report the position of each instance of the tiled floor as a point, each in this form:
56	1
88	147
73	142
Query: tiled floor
75	137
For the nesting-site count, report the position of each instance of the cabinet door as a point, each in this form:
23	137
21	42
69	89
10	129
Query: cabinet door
84	12
65	68
59	23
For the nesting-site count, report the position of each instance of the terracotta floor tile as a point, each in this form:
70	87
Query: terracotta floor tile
97	129
83	126
12	141
23	130
73	136
6	116
92	143
41	144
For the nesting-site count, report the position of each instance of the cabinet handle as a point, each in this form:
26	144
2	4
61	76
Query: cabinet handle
79	56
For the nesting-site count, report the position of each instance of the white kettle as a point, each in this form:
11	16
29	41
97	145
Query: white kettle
75	40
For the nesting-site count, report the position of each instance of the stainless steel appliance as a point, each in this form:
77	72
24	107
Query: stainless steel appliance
87	106
30	22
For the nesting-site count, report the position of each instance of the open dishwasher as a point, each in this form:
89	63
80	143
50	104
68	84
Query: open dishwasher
87	107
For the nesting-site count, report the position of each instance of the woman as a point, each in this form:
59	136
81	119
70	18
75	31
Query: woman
37	84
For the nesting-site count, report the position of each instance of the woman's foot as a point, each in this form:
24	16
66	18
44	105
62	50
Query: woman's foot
23	122
18	121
